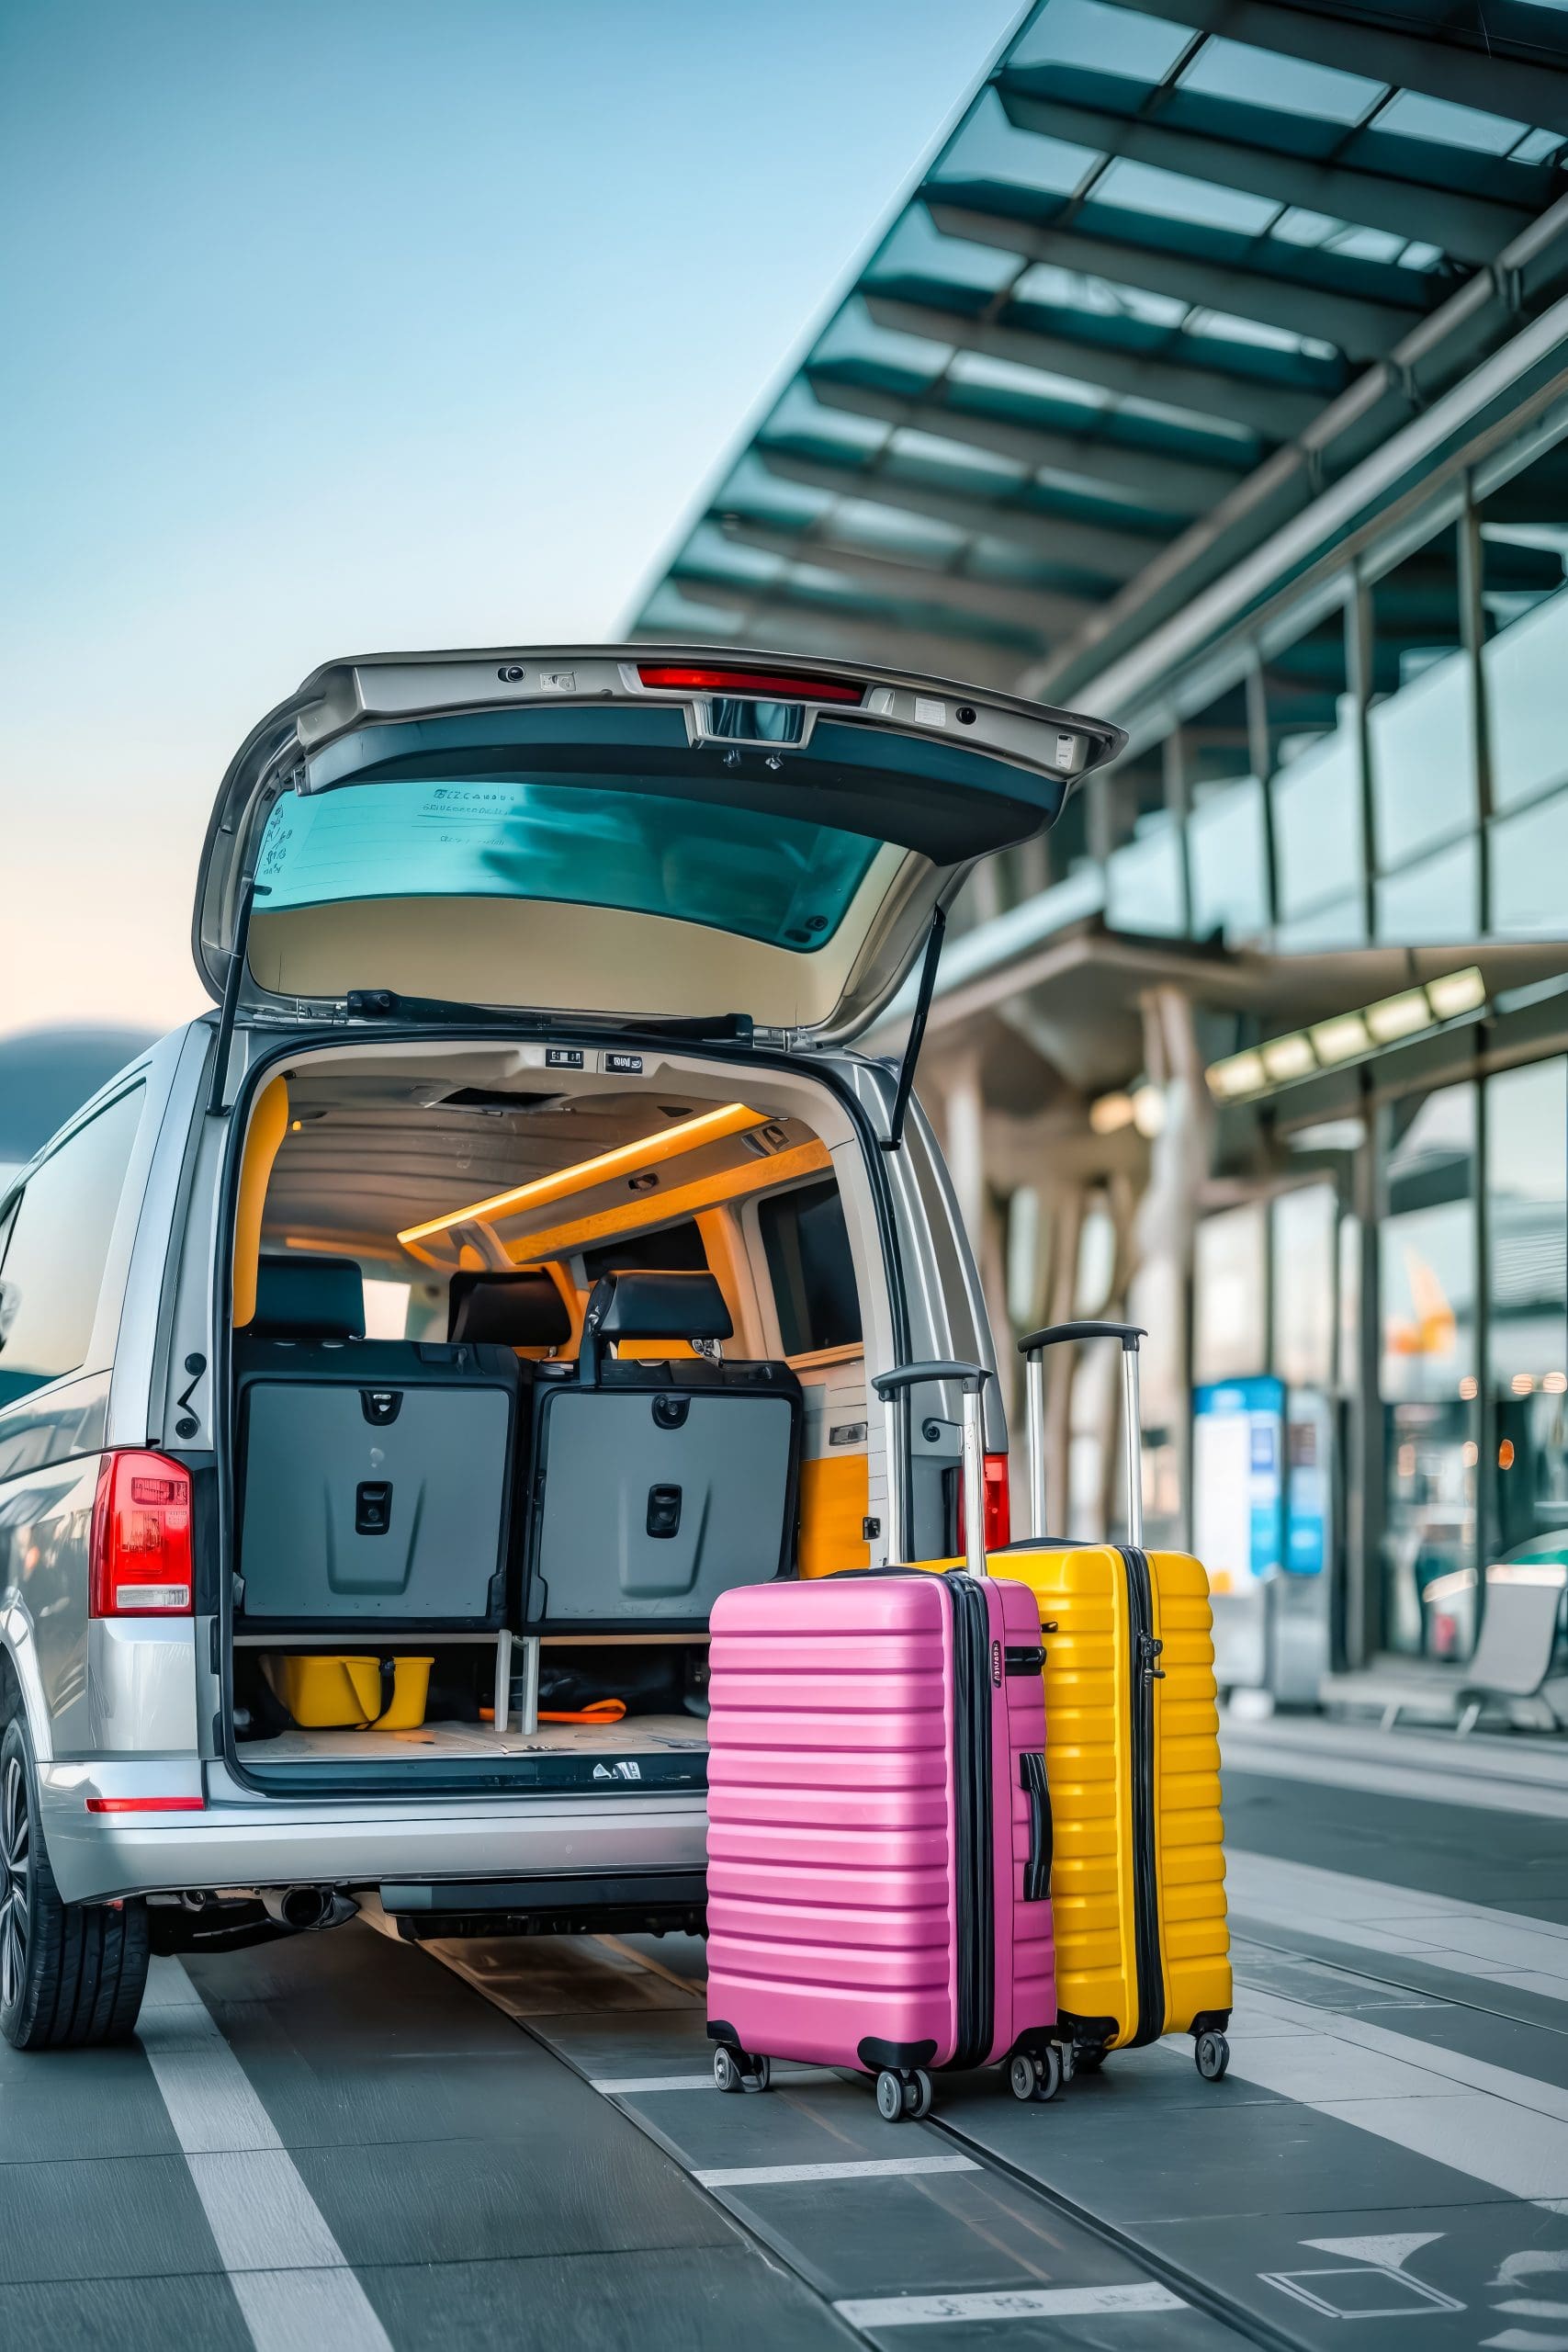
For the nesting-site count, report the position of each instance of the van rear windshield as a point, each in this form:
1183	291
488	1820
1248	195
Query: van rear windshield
767	877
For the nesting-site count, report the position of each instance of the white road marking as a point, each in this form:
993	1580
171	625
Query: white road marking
861	2168
289	2275
1401	1923
1487	2121
1007	2302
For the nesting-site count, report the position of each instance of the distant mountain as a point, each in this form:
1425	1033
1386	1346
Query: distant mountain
45	1074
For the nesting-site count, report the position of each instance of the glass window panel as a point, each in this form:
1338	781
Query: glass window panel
1230	1274
1427	1288
1317	820
1106	39
1525	665
1415	115
1527	1287
811	1269
1171	196
1529	859
1262	77
1144	886
1434	902
765	877
1342	923
59	1247
1304	1249
1420	722
1228	851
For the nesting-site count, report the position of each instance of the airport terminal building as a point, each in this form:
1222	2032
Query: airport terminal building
1214	379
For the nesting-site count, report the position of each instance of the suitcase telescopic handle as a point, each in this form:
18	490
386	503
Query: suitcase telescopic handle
1032	1348
894	1389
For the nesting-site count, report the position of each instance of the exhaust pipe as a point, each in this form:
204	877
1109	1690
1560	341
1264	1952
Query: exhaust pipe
305	1909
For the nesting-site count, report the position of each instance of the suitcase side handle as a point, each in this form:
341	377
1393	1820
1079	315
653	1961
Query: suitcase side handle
1032	1348
1037	1789
894	1389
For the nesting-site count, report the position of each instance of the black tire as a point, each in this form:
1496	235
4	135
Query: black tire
890	2095
1212	2056
72	1975
726	2069
919	2096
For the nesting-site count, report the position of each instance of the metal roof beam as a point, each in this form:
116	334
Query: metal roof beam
1076	547
1361	328
1177	486
1443	68
782	623
1276	411
1473	228
1026	611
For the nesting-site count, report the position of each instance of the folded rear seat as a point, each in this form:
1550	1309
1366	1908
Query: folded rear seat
656	1486
374	1475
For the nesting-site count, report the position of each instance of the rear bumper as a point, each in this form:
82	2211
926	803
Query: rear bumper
239	1840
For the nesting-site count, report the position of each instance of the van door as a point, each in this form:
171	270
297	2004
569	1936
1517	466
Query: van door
628	835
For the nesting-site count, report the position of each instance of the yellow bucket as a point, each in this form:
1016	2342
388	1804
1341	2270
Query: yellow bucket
346	1693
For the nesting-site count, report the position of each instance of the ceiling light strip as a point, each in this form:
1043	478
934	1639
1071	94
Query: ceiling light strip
1346	1037
627	1160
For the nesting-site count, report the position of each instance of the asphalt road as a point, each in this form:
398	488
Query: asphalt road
349	2142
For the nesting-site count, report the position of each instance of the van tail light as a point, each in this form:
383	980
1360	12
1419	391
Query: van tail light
689	678
140	1556
999	1506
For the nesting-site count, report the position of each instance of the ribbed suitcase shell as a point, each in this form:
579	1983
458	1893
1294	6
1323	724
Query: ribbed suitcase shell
834	1864
1093	1753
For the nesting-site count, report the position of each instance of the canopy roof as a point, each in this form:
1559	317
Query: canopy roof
1179	265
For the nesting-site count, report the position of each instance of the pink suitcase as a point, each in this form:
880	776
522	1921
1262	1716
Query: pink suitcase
879	1828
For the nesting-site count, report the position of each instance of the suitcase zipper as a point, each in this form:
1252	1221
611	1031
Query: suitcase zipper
974	1864
1146	1672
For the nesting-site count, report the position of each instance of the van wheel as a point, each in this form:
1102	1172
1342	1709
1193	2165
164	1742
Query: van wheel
72	1975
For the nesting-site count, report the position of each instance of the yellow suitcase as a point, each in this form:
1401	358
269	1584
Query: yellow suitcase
1133	1764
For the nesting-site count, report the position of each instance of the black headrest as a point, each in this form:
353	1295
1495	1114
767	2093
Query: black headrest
309	1298
649	1306
523	1310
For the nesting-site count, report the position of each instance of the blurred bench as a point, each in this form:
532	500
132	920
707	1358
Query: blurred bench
1511	1666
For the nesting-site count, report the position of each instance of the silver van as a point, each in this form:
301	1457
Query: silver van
396	1361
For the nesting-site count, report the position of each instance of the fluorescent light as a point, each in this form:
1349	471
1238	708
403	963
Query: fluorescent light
1109	1114
1342	1038
627	1160
1456	992
1241	1074
1148	1111
1288	1057
1399	1016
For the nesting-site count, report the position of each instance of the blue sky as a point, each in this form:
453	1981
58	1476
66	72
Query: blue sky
355	323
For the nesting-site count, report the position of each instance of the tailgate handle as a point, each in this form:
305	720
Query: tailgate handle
1037	1868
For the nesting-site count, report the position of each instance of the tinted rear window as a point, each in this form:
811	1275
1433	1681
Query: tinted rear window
677	1250
813	1274
765	877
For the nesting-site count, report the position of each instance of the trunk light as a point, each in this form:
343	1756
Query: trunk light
140	1553
999	1506
686	678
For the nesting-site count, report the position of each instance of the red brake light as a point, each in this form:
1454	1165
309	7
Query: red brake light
684	676
140	1564
146	1805
999	1506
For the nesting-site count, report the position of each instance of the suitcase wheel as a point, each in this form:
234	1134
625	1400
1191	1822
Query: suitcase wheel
733	2070
901	2094
1030	2077
1212	2056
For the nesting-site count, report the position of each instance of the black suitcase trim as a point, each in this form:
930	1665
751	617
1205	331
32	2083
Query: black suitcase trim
1146	1671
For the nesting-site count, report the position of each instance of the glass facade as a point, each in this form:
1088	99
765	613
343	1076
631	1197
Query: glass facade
1427	1380
1392	768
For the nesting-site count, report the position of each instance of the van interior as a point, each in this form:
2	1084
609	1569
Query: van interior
529	1364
